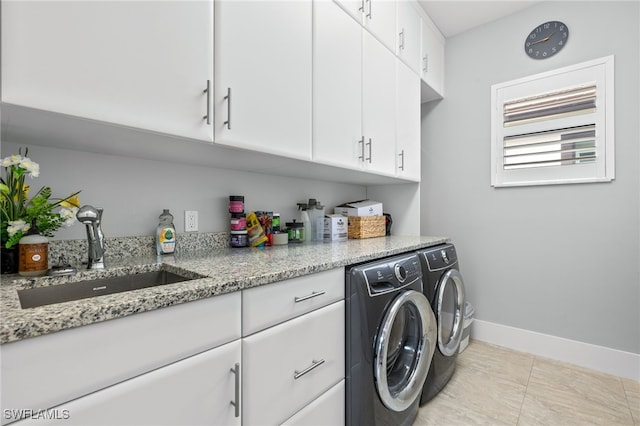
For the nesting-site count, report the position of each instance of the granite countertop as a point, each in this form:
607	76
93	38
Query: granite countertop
222	271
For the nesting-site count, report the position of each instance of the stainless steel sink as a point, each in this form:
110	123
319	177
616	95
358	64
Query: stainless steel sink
49	295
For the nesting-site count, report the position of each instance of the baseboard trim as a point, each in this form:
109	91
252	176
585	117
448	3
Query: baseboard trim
607	360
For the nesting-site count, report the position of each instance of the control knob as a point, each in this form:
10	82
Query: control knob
445	257
401	273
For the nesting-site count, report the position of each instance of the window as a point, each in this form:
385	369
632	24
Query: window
555	127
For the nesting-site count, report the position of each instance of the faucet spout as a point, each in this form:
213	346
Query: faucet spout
92	219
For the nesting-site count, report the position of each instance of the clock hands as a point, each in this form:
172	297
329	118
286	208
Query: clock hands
542	40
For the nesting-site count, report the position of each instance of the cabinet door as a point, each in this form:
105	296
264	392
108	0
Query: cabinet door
432	65
337	87
379	106
353	7
195	391
288	366
143	64
409	35
263	76
380	19
408	123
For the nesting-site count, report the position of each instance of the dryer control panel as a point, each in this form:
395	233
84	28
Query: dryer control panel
392	274
441	257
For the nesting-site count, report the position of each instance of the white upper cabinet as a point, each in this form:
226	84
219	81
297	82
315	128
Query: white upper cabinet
354	94
139	64
408	123
263	76
409	36
377	16
380	19
432	62
337	87
378	106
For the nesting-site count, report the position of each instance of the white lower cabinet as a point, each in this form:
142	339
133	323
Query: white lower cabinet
327	409
195	391
288	366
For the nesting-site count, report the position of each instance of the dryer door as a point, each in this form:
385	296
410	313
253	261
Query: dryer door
404	348
449	311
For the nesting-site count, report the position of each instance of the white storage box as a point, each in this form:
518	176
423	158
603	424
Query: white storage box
335	227
359	208
469	312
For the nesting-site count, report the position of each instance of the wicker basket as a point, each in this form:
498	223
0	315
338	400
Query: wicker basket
367	226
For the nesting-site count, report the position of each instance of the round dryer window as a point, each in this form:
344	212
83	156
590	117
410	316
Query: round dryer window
404	349
449	311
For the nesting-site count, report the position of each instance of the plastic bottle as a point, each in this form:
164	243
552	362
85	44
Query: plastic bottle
33	253
165	234
306	222
316	216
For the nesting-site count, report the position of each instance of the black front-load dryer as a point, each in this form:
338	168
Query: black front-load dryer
444	288
390	341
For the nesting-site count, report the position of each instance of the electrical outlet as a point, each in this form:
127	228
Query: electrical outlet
190	220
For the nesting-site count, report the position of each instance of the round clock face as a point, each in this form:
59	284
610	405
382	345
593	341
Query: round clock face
546	40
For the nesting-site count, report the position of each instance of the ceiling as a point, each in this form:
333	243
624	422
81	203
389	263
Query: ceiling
456	16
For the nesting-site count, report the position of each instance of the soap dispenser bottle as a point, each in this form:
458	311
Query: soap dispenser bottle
165	234
33	253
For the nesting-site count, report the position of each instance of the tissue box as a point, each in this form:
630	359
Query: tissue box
359	208
335	227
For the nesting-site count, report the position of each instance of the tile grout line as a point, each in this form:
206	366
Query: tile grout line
526	389
626	397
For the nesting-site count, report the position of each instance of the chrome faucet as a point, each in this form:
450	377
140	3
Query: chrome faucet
92	217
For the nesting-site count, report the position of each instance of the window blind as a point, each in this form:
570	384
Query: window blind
555	127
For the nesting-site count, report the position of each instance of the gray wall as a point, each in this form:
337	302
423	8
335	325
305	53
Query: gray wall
134	191
562	259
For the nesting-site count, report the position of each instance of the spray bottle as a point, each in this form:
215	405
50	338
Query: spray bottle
306	222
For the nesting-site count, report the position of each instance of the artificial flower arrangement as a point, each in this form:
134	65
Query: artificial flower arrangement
18	211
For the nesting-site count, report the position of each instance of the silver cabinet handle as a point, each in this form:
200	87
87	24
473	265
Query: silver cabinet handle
228	98
426	62
309	296
236	403
401	155
208	92
361	141
315	364
401	37
369	14
369	158
361	8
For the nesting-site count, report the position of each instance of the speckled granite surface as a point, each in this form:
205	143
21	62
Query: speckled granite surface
223	270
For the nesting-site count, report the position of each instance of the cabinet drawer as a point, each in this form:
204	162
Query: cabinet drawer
45	371
273	358
194	391
272	304
327	409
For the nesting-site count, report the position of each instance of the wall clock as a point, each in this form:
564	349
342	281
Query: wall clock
546	40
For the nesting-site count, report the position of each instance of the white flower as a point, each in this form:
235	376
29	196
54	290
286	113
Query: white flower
17	225
69	215
31	167
11	160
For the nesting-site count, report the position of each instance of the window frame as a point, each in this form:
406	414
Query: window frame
600	71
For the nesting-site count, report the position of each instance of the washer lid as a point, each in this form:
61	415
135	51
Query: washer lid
404	349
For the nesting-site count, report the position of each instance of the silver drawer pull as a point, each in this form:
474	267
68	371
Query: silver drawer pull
309	296
315	364
236	403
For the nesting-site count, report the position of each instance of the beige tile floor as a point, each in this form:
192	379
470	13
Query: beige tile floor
493	385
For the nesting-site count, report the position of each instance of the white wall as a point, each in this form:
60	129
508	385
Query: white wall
561	260
134	191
